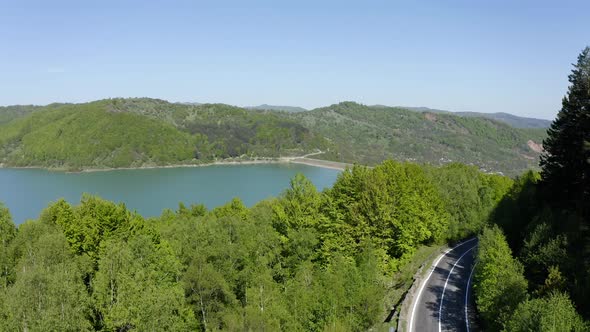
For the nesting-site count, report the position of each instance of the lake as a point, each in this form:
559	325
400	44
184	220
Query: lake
26	192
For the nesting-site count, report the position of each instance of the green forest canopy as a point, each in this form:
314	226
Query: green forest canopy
533	265
307	260
147	132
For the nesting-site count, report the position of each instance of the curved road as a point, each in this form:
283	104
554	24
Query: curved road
444	301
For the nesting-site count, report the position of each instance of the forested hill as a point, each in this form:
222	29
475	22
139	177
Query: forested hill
292	109
9	113
511	119
141	131
369	134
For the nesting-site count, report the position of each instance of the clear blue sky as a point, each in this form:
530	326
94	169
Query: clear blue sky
487	56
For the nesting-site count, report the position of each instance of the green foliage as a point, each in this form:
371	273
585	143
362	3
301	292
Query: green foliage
498	283
543	251
93	221
565	185
513	120
9	113
370	134
555	282
305	261
7	234
566	161
299	208
546	216
85	135
138	132
394	205
48	293
94	266
143	132
554	313
517	208
468	195
136	287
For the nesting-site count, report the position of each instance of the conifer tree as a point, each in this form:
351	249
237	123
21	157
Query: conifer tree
566	160
565	182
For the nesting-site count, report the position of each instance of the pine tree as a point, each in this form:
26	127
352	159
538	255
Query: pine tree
566	160
565	182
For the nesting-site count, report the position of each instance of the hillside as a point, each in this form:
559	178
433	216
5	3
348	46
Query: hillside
512	120
265	107
370	134
85	135
228	131
141	131
9	113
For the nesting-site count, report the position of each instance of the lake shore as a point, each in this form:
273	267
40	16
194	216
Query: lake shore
282	160
321	163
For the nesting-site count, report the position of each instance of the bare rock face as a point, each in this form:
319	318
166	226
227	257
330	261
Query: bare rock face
430	117
535	146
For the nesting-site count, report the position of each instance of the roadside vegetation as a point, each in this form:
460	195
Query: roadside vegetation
533	266
306	261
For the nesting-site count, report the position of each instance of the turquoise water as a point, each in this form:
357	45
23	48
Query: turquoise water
148	191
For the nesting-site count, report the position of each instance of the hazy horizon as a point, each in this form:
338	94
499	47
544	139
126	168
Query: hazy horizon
458	56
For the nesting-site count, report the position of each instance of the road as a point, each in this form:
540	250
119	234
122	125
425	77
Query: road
444	301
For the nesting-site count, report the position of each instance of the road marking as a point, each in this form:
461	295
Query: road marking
433	267
442	298
467	297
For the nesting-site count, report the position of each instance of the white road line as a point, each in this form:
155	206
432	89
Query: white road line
442	298
467	298
433	267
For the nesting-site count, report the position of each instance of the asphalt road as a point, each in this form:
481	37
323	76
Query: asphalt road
443	301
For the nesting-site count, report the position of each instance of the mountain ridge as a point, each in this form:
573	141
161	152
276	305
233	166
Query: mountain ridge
118	133
511	119
283	108
10	112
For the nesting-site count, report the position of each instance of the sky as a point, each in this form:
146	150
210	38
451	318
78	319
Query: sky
484	56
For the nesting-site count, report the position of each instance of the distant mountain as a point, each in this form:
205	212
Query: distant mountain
513	120
420	109
265	107
9	113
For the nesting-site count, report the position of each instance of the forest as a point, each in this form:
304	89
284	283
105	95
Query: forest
115	133
304	261
334	260
136	132
369	134
533	264
307	260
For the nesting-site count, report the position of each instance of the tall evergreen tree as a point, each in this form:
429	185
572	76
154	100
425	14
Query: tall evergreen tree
565	182
566	160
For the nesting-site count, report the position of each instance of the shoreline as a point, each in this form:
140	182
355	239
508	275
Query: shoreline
321	163
282	160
